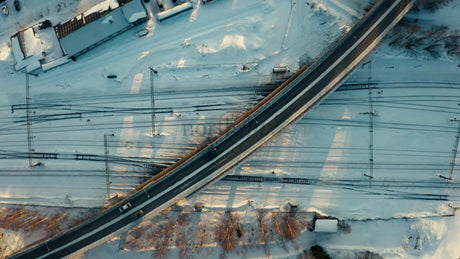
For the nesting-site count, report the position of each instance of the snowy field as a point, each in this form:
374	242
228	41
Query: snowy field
202	87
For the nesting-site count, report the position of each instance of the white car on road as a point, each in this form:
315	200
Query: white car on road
125	207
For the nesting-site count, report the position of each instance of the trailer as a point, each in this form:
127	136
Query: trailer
280	70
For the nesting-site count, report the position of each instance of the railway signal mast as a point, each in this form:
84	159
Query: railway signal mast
454	153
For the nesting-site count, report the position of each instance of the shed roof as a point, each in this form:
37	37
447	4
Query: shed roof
93	33
133	10
326	225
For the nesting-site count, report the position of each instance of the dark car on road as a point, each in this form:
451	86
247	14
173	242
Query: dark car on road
136	216
211	154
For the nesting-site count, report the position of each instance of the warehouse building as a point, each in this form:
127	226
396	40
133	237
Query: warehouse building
99	24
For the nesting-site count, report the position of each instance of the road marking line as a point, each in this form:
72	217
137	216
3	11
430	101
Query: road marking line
335	81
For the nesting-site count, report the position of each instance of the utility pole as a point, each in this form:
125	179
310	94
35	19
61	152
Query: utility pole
29	120
371	121
455	150
107	168
454	153
152	97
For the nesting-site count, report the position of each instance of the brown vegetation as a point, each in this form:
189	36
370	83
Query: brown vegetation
287	225
162	237
201	237
183	244
2	246
135	239
21	219
39	225
184	219
264	230
161	232
228	231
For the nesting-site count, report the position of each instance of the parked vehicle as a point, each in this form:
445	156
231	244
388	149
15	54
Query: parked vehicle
5	10
45	24
137	215
211	154
160	5
17	5
125	207
280	70
205	1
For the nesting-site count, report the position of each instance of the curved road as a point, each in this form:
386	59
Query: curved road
295	97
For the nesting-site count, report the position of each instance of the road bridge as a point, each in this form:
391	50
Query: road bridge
290	101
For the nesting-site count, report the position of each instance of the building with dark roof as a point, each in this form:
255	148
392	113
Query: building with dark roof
101	23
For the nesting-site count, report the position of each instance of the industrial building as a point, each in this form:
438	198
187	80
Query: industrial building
101	23
76	36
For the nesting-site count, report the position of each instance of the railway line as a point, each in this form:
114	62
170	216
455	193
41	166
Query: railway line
306	89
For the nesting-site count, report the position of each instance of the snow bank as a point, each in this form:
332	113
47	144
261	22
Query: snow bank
447	247
55	63
424	235
33	45
136	16
10	242
178	9
103	6
5	51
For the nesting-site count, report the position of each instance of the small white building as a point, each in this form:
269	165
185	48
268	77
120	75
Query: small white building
326	225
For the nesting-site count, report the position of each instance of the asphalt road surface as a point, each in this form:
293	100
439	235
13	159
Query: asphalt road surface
302	92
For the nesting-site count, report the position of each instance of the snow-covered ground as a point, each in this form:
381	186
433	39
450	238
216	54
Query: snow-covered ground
201	88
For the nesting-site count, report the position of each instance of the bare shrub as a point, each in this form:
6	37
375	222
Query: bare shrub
264	226
162	238
287	225
3	247
135	239
22	219
432	43
184	219
228	231
201	237
317	252
452	44
429	5
182	243
367	255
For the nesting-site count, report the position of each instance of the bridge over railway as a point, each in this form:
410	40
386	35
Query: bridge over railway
299	94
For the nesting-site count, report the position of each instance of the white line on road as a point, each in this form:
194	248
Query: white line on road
295	115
